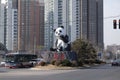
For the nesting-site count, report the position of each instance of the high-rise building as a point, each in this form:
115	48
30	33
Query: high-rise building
100	28
81	19
30	25
8	24
91	21
22	24
2	8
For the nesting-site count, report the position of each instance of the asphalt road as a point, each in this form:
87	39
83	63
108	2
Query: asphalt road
103	72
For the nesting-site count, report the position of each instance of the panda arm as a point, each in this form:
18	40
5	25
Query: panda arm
64	38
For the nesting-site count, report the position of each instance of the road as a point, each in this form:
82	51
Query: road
104	72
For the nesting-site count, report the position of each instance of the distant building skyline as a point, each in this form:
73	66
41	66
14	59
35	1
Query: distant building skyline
81	19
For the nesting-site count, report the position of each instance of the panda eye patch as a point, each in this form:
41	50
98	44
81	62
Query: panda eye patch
60	31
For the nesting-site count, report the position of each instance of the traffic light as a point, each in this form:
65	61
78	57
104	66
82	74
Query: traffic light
119	23
115	24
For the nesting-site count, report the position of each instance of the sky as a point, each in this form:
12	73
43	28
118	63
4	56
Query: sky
111	12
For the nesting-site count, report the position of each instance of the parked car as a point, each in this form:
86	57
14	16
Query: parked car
36	61
115	62
2	64
7	64
16	60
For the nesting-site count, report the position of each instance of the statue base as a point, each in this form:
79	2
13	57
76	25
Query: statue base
48	56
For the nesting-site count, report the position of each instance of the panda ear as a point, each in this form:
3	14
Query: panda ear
62	27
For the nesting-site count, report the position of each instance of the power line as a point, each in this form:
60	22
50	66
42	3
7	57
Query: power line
112	17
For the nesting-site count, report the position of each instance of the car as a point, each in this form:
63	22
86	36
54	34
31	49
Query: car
11	65
36	61
115	62
7	64
2	64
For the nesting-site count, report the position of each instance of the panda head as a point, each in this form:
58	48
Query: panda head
59	31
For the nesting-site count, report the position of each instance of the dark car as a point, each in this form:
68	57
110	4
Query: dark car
116	62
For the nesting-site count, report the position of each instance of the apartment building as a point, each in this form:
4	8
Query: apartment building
8	24
22	24
30	25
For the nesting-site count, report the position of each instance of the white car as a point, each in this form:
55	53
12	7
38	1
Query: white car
2	64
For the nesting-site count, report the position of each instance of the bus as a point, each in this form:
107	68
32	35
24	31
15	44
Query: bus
19	60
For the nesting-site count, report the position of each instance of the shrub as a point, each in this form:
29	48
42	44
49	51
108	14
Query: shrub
57	63
53	62
66	63
86	61
91	61
97	61
74	63
42	63
80	62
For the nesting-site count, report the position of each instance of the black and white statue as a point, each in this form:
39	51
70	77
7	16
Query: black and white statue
62	40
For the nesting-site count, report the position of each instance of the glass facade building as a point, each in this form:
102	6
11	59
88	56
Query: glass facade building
91	18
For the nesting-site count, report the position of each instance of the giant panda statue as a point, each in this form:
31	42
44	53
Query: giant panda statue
62	41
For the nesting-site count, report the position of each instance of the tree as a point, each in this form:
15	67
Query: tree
84	49
2	47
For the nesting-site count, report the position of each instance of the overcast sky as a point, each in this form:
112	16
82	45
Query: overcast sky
111	12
